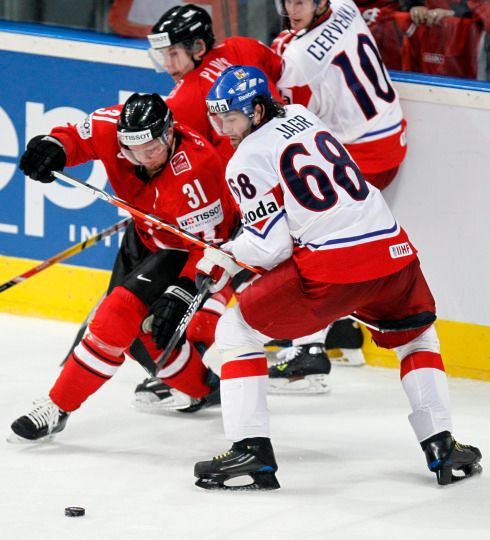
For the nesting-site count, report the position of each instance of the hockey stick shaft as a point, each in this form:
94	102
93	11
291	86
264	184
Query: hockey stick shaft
176	230
67	253
154	220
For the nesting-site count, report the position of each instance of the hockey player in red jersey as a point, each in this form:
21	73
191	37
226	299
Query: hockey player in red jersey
329	246
183	44
165	169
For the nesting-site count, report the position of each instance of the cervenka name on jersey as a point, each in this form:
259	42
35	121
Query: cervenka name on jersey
202	219
332	32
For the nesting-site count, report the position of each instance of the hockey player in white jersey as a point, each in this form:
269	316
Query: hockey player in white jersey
329	246
333	67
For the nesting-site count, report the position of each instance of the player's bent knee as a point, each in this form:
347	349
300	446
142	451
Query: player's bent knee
118	319
427	341
232	331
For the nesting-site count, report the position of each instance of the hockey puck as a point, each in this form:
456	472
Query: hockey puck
74	511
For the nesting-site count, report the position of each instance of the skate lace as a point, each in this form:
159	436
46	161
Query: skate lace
287	354
223	455
45	413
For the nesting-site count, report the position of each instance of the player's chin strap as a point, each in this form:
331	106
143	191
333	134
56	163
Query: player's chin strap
410	323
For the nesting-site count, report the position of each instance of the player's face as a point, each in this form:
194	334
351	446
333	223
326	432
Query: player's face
176	60
300	13
233	124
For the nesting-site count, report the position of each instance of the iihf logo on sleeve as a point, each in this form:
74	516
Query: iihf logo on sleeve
400	250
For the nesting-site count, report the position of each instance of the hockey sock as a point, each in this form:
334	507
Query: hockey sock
425	384
244	377
185	371
100	353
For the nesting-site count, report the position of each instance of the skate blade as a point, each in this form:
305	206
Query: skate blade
311	384
13	438
447	477
147	402
346	357
257	482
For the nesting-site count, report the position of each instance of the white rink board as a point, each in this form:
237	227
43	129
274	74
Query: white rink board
441	198
349	464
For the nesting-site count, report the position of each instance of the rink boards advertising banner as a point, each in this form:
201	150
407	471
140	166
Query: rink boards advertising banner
38	92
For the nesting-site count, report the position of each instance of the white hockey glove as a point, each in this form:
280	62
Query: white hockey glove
218	267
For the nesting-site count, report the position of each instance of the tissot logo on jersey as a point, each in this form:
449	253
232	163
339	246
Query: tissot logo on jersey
204	218
180	163
84	128
266	207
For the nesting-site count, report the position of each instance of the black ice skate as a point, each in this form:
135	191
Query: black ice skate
249	457
445	455
343	343
41	423
304	370
155	396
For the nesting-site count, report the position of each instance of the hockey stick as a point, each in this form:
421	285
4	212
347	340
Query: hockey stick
411	323
63	255
198	300
81	330
154	220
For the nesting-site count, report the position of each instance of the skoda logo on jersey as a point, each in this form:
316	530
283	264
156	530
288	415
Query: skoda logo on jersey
135	137
263	210
217	106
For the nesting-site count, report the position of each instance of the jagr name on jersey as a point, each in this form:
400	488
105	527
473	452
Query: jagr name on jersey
344	16
295	125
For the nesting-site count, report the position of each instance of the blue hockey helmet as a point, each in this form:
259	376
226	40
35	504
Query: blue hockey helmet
236	88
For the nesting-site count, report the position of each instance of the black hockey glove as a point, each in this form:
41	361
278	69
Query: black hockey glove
169	309
43	155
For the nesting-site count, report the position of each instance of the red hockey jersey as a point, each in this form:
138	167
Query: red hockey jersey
187	99
190	191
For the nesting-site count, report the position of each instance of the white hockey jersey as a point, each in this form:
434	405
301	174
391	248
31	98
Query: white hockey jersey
335	70
301	195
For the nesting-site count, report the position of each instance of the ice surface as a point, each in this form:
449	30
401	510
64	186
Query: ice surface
349	464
